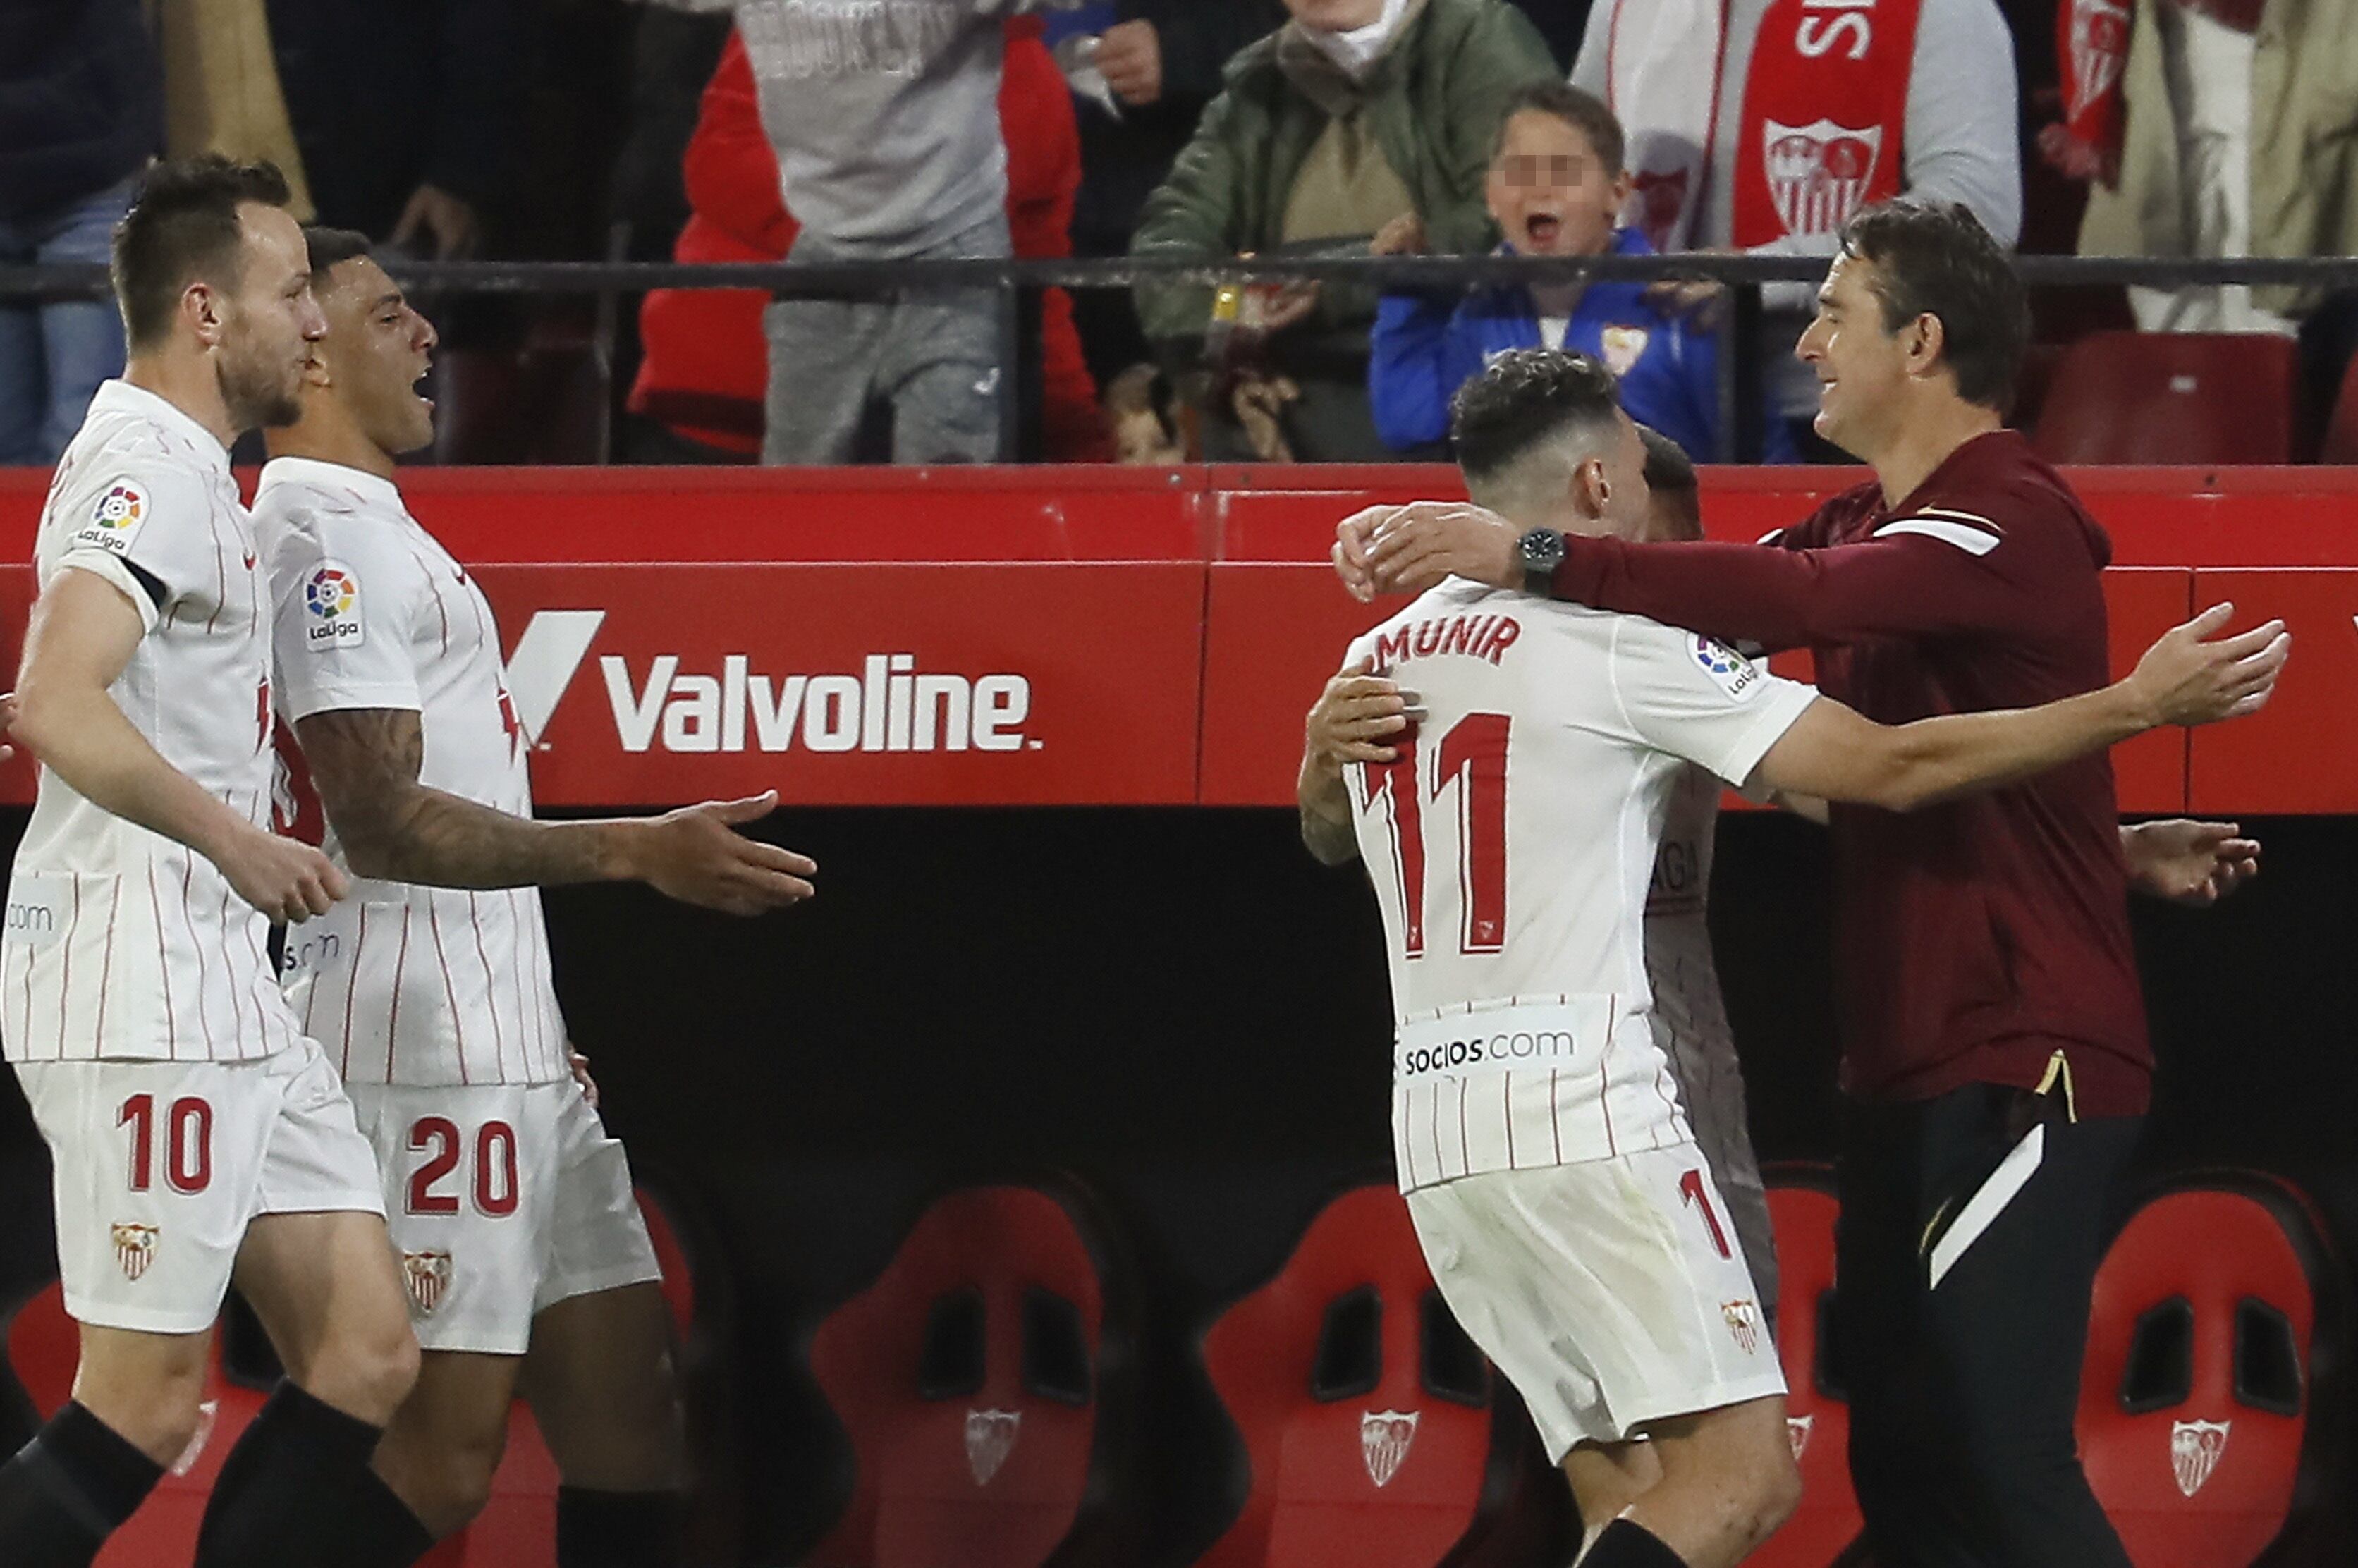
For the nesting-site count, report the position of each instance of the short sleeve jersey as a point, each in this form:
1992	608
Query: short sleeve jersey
122	945
402	984
1512	848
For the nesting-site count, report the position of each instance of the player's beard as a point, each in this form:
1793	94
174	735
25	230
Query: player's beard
260	394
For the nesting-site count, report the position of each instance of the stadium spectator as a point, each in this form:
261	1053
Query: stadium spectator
1761	125
1556	183
80	111
885	125
705	376
1358	113
1560	22
1161	61
2223	129
404	112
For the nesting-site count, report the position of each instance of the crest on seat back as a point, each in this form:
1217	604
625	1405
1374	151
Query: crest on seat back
2195	1447
990	1439
1384	1439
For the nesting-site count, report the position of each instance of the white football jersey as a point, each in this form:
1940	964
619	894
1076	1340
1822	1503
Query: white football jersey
407	984
122	945
1512	848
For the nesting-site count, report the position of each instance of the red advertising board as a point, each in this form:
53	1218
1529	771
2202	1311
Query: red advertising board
1104	636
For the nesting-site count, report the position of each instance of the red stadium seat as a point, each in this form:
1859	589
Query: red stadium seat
2172	398
44	1345
1802	1207
974	1379
517	1528
1368	1419
2203	1362
2341	431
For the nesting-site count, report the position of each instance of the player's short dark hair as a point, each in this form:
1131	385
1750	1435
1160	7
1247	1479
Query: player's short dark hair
1670	476
1585	112
1525	398
1936	259
183	226
332	247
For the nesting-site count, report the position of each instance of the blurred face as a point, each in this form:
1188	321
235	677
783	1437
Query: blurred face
268	323
376	350
1336	15
1549	191
1863	369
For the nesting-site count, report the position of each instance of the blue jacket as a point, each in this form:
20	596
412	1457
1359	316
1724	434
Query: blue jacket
1425	347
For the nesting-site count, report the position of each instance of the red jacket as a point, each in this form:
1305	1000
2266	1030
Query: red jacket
706	371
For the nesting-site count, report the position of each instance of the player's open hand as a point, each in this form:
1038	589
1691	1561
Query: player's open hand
2188	862
1356	717
1409	548
285	878
2195	676
697	856
580	1067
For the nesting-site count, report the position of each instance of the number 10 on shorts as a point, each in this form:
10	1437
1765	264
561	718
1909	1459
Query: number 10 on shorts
187	1136
444	1144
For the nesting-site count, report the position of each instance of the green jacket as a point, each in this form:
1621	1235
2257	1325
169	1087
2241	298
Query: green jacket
1432	104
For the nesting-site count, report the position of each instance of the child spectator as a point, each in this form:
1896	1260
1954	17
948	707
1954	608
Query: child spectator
704	376
1356	113
1557	182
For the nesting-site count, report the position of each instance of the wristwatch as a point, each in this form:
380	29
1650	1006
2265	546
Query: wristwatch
1541	550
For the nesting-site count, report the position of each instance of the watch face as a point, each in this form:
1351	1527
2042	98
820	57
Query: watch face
1542	550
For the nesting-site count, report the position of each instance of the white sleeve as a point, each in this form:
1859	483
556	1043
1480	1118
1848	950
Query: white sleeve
346	600
1588	66
149	531
1694	697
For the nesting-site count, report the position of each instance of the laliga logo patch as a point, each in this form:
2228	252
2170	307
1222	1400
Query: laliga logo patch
134	1248
1729	670
115	521
990	1439
1384	1439
427	1276
2195	1447
333	597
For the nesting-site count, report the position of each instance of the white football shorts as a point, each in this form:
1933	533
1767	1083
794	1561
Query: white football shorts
159	1167
1611	1292
503	1199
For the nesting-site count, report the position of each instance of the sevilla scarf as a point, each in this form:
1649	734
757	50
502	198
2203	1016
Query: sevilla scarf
1826	103
2091	44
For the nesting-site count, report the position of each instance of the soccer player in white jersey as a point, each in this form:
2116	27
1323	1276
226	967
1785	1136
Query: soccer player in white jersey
195	1131
512	1208
1570	1219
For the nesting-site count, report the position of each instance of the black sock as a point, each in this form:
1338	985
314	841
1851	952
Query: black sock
1625	1543
66	1491
285	1494
381	1532
618	1530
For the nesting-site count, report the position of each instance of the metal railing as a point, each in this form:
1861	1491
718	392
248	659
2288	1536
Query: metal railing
1744	277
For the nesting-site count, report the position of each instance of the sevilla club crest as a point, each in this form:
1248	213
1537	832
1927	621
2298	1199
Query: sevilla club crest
1819	173
134	1248
1797	1429
427	1276
990	1439
1623	346
2195	1447
1743	1320
2100	47
1660	197
1384	1439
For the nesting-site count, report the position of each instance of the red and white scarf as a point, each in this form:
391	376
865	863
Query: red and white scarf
1824	109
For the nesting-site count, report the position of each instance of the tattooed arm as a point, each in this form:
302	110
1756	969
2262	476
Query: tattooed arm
365	764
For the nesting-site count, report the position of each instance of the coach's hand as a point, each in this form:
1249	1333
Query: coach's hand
2188	862
285	878
2189	678
1354	717
697	856
1407	549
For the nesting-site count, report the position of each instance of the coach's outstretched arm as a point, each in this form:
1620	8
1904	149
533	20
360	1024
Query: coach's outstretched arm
81	638
365	764
2184	678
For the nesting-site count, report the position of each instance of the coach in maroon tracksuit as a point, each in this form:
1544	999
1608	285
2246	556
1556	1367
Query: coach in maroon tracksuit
1994	1055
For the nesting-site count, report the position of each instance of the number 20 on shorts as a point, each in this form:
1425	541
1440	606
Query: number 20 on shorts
444	1144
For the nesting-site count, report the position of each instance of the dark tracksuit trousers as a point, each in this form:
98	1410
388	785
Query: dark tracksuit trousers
1963	1392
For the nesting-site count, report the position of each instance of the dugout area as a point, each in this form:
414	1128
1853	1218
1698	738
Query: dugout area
1104	963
